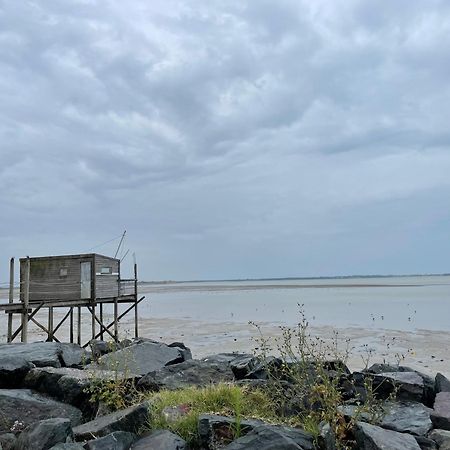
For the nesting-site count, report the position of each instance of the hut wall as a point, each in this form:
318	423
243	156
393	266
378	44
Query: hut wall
55	278
106	284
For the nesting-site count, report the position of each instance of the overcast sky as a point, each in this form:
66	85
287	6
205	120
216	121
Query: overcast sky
230	138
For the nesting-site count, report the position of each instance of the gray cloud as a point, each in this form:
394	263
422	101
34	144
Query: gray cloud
230	138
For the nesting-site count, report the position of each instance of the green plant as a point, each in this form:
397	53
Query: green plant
224	399
312	383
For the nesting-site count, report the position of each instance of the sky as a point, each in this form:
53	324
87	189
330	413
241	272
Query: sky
230	138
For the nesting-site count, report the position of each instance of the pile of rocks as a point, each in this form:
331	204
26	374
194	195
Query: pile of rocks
44	403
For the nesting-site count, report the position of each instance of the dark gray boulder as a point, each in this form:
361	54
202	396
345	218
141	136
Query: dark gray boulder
216	431
371	437
46	354
188	373
222	358
160	440
68	446
426	443
130	420
243	365
383	367
44	434
441	383
118	440
185	351
24	407
442	438
99	347
7	441
69	384
441	411
269	437
13	370
409	385
140	358
407	417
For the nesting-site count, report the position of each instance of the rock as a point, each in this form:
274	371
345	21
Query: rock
327	438
130	420
270	437
160	440
441	412
7	441
381	368
99	347
46	354
24	406
407	417
185	351
68	446
140	358
13	370
243	365
215	431
44	434
68	384
188	373
222	358
441	383
371	437
118	440
442	438
426	443
409	385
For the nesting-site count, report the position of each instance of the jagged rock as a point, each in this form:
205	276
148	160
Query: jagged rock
46	354
409	385
215	431
68	384
327	437
442	438
188	373
426	443
44	434
407	417
371	437
130	420
25	407
100	348
270	437
160	440
441	383
221	358
243	365
140	358
13	370
118	440
185	351
382	368
68	446
7	441
441	412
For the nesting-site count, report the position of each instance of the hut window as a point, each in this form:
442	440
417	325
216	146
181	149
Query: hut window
63	273
106	270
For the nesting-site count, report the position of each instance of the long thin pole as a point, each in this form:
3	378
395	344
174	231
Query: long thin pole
50	324
120	243
79	326
26	300
11	296
136	324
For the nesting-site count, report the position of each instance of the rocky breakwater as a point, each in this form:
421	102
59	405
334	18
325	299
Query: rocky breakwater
59	396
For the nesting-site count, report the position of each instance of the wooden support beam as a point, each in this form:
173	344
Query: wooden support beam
122	315
116	320
30	317
136	322
50	324
26	300
71	325
92	320
79	326
101	326
62	321
11	298
101	321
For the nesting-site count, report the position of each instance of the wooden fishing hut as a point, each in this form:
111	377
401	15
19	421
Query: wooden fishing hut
78	283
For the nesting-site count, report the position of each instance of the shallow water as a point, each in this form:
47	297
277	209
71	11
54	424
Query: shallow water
396	303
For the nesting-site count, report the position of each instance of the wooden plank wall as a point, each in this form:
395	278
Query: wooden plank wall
106	285
46	283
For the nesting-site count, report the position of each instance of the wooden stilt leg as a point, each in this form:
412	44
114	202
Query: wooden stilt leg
50	324
116	320
71	326
11	297
79	326
101	320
